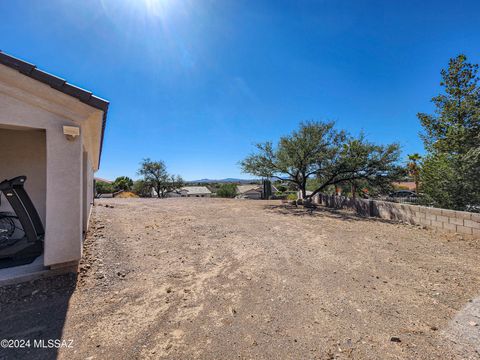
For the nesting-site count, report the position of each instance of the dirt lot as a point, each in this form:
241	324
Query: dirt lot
225	279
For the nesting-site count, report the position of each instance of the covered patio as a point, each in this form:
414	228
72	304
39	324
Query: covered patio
51	132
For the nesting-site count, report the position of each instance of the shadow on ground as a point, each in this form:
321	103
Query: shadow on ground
320	211
35	313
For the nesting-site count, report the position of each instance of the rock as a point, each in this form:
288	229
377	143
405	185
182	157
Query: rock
395	339
473	323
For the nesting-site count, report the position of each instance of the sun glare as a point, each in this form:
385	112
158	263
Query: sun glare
156	8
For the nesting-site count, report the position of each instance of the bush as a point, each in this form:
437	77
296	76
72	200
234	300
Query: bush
292	197
227	191
103	187
142	188
123	183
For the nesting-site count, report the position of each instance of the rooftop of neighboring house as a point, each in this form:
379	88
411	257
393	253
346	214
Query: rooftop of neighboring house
97	179
196	190
242	189
407	185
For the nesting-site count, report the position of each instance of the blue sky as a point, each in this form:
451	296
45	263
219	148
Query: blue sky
197	82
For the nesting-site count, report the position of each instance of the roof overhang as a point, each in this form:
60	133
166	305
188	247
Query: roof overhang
59	97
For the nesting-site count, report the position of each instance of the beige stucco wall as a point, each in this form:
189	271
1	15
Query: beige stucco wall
27	103
88	190
24	153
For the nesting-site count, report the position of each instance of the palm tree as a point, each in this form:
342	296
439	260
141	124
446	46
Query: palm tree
414	168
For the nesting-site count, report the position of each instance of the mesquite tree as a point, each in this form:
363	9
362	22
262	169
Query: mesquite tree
155	174
318	150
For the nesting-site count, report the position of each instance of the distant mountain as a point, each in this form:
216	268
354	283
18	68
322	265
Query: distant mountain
226	180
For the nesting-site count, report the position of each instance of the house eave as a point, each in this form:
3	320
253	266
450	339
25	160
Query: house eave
62	86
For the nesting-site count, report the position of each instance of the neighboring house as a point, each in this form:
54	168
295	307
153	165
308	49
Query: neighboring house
187	191
176	193
195	191
105	196
52	132
404	185
307	192
97	179
251	191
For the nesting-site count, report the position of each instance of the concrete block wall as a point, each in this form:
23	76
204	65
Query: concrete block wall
461	222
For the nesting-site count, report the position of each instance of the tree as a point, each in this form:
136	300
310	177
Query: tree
102	187
441	181
451	136
142	188
282	188
123	183
227	191
414	168
455	125
333	157
155	174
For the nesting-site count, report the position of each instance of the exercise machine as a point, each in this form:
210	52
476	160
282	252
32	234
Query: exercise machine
21	231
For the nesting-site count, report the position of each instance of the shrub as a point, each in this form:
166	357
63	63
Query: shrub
142	188
227	191
292	197
103	187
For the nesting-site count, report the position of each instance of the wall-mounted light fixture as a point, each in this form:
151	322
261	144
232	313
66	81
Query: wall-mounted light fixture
71	132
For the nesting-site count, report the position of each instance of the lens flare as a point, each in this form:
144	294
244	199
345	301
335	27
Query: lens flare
150	8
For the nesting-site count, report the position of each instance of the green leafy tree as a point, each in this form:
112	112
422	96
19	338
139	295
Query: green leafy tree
103	187
155	174
317	150
227	191
142	188
123	183
440	180
450	171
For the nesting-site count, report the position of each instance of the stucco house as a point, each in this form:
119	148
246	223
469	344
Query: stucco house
196	191
175	193
404	185
52	133
190	191
251	191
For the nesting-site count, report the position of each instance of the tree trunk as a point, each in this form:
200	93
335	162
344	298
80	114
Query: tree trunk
354	191
304	191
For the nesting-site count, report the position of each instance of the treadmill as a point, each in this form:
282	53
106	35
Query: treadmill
21	232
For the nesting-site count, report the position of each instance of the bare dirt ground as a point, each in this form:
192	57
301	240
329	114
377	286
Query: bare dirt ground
227	279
